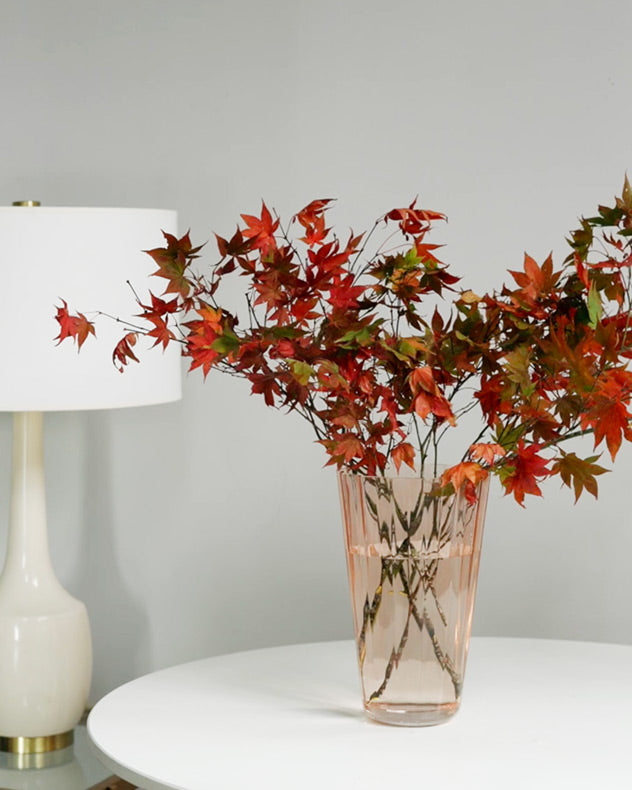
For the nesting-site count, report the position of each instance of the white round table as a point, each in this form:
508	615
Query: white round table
535	713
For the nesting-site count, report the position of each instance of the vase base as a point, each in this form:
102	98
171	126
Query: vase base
410	714
36	745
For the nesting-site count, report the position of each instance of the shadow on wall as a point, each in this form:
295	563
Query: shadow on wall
119	623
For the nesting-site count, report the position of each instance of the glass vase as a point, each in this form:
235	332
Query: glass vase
412	558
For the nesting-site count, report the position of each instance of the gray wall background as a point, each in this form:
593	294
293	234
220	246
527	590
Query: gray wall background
210	525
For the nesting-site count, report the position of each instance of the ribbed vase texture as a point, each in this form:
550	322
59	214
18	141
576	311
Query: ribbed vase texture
412	556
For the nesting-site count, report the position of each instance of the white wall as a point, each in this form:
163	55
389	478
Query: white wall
210	525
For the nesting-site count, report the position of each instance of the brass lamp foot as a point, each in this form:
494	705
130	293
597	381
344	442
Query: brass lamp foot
36	745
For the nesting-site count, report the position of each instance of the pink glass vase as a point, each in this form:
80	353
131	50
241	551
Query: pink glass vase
412	557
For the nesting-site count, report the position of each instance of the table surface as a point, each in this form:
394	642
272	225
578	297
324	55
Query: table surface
535	713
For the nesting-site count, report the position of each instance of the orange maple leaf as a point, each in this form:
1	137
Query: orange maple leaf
486	452
428	398
467	474
536	281
607	414
403	453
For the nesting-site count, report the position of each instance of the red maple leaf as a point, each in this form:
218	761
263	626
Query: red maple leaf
159	307
160	332
265	384
75	326
413	221
285	348
493	398
303	309
315	233
328	260
523	472
312	211
261	230
202	353
236	247
123	353
344	294
270	290
154	315
210	339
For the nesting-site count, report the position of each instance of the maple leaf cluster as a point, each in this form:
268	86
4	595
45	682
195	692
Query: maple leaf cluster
357	345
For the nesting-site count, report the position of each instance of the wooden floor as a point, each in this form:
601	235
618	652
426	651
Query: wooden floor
113	783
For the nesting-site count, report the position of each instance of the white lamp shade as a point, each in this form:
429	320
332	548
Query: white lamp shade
84	256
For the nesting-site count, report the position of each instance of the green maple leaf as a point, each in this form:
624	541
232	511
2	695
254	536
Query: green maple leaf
517	367
626	197
363	336
226	343
578	472
301	371
173	262
410	260
595	309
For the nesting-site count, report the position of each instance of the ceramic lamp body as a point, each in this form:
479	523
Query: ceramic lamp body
45	646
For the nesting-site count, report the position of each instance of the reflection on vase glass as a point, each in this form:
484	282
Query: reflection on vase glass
413	556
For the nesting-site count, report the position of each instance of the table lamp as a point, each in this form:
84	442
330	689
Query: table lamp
85	256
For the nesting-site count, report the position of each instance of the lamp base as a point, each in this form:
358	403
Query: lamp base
36	745
45	647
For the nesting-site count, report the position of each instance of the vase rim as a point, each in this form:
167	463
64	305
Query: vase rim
433	473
